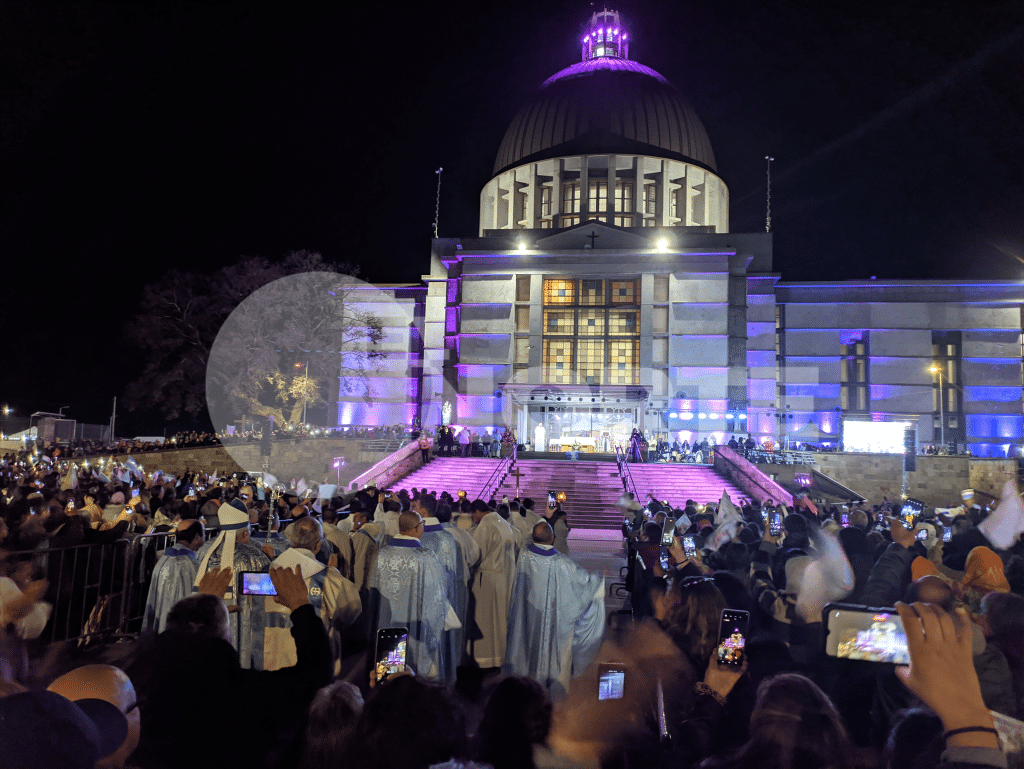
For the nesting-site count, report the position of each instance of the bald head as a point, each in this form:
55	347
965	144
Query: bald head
931	589
306	533
107	683
409	524
542	534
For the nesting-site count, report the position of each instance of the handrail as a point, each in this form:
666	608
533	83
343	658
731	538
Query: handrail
498	474
625	475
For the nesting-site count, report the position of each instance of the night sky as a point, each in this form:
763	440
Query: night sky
137	137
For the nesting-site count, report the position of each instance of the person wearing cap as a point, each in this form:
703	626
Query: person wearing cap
174	574
233	547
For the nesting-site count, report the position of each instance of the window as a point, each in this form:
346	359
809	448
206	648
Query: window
545	200
523	319
623	221
855	374
571	198
623	197
596	338
598	201
570	221
651	199
522	353
661	288
522	288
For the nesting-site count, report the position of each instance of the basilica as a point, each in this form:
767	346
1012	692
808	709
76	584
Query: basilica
604	291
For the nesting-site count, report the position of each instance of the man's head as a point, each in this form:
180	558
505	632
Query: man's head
503	511
410	524
425	505
443	512
202	615
860	520
306	533
191	534
652	532
478	509
542	533
359	519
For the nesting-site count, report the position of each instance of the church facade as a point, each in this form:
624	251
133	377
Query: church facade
604	291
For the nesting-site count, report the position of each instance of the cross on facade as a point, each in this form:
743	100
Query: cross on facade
593	236
517	474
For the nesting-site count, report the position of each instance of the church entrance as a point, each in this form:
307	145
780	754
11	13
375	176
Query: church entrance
590	420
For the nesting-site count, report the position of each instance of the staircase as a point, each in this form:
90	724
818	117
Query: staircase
591	488
451	474
678	483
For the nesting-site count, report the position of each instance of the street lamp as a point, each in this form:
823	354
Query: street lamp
305	386
942	406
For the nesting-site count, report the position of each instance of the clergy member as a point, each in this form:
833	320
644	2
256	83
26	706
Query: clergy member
448	552
492	585
408	589
556	622
334	598
233	547
174	575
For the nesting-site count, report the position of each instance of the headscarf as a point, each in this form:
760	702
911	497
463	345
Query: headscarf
984	571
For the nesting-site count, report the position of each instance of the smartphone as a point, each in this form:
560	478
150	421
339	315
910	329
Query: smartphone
391	647
947	533
611	681
881	519
732	636
776	527
865	633
667	532
922	534
551	499
845	519
664	561
689	546
764	515
71	504
257	583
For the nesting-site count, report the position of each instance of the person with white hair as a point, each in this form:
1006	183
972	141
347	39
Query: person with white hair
334	598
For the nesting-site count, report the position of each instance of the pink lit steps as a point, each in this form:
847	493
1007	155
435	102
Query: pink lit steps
591	488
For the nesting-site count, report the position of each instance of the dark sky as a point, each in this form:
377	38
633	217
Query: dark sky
137	137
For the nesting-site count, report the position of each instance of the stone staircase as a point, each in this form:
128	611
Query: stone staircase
591	488
677	483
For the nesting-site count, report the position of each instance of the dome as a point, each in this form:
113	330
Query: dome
606	105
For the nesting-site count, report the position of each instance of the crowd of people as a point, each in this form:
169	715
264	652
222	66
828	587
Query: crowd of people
264	640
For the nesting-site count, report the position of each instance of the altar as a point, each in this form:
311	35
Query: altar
587	444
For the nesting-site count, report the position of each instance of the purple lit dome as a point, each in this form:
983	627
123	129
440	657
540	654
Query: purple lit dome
606	105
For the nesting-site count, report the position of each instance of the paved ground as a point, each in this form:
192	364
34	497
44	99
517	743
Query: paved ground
600	551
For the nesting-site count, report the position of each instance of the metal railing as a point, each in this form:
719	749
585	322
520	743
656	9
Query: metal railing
624	474
498	475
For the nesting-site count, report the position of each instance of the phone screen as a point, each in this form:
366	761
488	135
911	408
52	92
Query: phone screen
668	532
845	519
863	633
947	533
257	583
732	637
776	528
611	681
551	499
922	534
689	546
391	645
664	561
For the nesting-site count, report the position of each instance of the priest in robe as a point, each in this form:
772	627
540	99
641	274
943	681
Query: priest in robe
448	552
233	547
492	585
556	623
334	598
408	589
174	574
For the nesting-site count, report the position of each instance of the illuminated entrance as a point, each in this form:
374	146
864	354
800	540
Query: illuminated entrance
596	419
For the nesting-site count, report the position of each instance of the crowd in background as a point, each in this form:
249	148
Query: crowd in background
956	577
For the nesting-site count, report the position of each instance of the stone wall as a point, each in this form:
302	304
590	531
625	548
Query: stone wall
937	481
310	458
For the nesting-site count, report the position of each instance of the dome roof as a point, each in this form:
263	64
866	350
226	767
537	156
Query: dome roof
606	105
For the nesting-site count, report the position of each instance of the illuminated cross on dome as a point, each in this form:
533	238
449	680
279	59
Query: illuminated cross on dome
605	36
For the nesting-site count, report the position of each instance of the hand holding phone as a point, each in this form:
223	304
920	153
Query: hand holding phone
611	681
732	637
690	546
391	652
865	633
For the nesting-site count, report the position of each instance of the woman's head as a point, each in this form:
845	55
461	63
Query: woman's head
693	616
517	717
794	723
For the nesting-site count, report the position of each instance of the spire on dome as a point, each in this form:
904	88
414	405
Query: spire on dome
605	35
